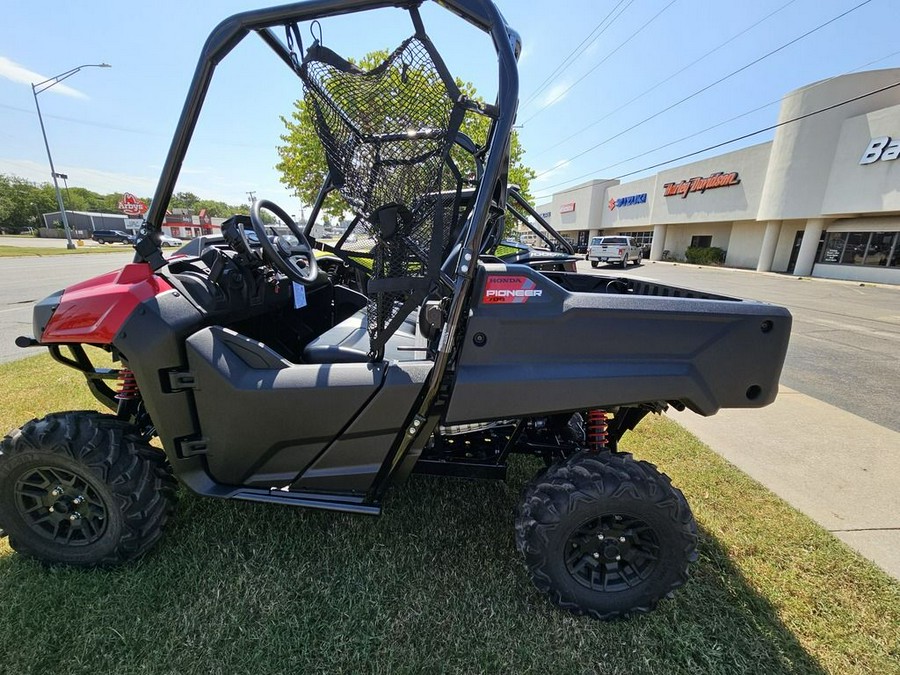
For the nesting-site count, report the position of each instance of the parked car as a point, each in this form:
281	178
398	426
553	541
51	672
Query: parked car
614	250
166	240
112	237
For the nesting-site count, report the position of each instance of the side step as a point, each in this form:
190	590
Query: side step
310	500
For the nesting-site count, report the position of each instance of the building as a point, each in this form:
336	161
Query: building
83	223
821	199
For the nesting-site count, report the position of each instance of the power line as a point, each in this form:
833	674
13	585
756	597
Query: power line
743	136
602	61
728	121
672	76
713	84
575	53
719	124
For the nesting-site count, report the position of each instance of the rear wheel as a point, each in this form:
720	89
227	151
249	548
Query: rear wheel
80	488
606	535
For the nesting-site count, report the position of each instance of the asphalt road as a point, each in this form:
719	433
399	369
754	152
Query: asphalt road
845	342
23	281
844	347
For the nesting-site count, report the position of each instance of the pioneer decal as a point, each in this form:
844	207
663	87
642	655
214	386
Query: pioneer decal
509	289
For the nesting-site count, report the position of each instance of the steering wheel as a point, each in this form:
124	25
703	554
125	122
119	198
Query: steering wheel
281	254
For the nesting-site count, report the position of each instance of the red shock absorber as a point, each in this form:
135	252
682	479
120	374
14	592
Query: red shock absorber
596	430
127	386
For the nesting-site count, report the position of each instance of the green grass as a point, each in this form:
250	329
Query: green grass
435	584
19	251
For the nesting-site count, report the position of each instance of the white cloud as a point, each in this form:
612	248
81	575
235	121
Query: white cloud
591	49
525	55
11	70
86	177
202	182
555	94
552	172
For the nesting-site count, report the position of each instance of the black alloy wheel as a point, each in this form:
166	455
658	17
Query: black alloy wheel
612	553
62	506
605	535
83	489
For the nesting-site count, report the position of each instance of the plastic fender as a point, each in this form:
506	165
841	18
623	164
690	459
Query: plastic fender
93	311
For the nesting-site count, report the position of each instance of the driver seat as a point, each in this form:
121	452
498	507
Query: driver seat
348	342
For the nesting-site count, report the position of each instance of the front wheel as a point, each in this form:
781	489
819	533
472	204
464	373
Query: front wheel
594	264
606	535
81	488
624	261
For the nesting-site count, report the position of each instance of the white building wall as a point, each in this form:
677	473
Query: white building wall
734	202
678	237
864	188
633	215
804	152
745	244
809	178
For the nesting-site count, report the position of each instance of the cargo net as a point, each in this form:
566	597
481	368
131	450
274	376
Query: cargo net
387	135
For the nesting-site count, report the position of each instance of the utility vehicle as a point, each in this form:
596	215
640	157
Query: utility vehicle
268	374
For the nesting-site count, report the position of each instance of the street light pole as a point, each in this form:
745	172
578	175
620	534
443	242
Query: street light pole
35	90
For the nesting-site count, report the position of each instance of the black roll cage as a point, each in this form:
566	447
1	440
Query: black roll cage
483	14
491	189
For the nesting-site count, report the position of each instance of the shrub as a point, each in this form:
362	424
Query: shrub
712	255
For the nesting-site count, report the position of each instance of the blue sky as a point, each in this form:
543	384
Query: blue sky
110	129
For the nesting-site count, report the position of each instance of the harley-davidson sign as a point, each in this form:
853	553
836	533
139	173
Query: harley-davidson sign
131	205
700	184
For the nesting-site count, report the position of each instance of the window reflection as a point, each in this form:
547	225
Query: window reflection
874	249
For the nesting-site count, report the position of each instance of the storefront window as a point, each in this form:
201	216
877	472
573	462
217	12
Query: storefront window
701	241
894	260
640	238
855	248
880	248
876	249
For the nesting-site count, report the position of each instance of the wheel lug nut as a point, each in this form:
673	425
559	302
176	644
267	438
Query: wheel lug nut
596	555
622	539
57	491
618	557
80	500
50	509
75	516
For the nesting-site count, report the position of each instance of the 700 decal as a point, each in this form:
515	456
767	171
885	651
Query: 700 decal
513	289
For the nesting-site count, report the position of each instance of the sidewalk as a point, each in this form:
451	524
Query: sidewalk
839	469
39	242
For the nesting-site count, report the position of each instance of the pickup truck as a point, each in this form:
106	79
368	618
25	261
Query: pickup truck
614	250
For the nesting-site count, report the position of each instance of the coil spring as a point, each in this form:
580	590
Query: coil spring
596	430
127	386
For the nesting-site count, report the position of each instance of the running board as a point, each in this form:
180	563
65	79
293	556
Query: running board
308	500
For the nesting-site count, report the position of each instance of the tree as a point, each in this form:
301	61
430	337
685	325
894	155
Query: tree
303	167
22	202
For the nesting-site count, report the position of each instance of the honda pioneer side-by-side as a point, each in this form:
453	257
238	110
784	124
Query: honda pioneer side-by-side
418	342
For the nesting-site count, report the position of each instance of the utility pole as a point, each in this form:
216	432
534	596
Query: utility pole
39	88
251	195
